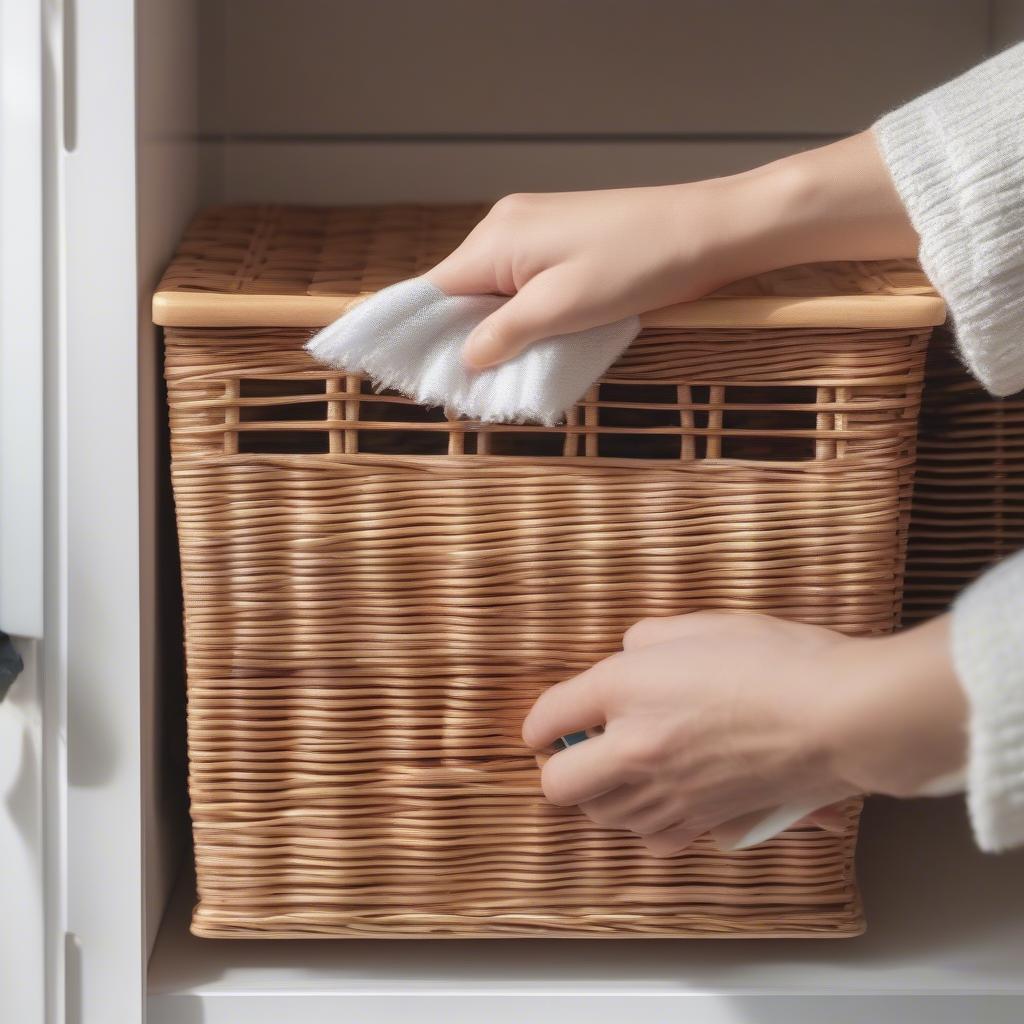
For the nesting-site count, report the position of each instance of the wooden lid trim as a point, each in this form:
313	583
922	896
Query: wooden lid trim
218	309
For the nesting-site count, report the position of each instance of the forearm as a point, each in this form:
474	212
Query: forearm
836	202
572	260
895	716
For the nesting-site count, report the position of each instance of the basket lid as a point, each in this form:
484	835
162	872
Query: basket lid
302	266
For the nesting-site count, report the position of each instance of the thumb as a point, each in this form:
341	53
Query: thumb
546	305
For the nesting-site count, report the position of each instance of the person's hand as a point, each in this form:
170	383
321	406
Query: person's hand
576	259
712	715
573	260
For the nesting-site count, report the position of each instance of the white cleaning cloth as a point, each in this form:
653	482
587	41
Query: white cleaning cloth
409	337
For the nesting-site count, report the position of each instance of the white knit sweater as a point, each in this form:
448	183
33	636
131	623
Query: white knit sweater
956	155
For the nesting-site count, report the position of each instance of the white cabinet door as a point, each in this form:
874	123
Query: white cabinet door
21	320
22	943
97	336
71	949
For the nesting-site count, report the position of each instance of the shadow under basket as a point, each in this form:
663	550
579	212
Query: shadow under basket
376	593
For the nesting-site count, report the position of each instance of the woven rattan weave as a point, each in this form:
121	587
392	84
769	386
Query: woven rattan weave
375	594
968	507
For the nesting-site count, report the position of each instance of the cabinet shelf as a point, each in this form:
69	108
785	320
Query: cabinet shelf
945	942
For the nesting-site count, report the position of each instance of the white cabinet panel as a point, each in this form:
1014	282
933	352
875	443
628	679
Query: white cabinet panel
128	182
22	856
21	320
98	340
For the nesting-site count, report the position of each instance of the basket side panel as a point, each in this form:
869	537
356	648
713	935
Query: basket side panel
364	641
366	627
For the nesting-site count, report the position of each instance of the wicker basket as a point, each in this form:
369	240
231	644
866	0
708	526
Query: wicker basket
968	509
375	594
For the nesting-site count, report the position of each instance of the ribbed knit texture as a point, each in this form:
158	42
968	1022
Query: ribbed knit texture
956	155
957	158
988	652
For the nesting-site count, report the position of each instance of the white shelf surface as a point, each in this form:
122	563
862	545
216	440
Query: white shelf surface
944	944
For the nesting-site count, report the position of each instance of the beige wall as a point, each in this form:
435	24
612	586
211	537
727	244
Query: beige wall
330	100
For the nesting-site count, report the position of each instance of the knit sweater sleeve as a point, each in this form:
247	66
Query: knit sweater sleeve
956	155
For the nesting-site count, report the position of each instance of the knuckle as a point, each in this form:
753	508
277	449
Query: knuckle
669	844
659	742
708	619
752	620
636	753
536	718
554	785
639	824
600	816
510	205
568	288
697	824
637	634
599	684
660	847
653	821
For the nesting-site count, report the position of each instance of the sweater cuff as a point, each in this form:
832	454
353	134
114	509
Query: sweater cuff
988	655
956	156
